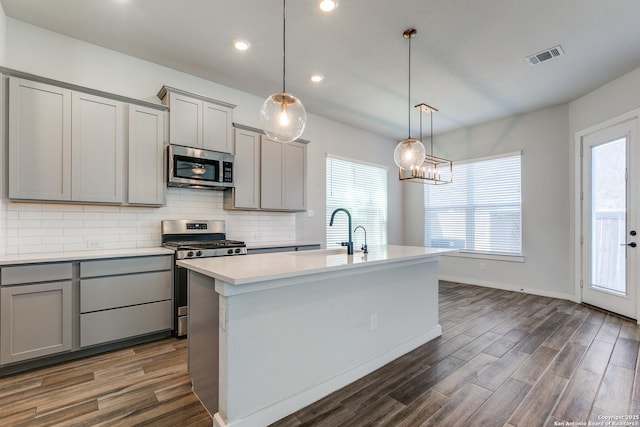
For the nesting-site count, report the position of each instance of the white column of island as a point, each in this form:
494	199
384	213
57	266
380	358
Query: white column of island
272	333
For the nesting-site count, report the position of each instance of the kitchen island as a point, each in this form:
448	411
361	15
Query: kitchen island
272	333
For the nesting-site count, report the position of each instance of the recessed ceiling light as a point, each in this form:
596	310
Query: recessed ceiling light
327	5
241	45
316	77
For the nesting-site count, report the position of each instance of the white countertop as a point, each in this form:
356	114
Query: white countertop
81	255
279	244
239	270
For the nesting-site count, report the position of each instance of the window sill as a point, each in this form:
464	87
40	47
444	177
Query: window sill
494	257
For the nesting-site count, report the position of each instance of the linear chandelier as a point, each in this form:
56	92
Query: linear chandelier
433	170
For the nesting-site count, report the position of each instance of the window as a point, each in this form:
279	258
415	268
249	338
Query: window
480	212
361	188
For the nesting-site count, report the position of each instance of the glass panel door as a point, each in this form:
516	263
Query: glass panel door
610	218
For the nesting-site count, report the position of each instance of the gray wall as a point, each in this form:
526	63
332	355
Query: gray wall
3	35
608	101
541	136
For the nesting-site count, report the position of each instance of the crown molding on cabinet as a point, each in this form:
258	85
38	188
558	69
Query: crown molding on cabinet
22	75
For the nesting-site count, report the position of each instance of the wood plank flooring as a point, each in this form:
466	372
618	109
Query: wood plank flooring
504	359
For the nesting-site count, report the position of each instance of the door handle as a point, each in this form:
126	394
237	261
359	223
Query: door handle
632	244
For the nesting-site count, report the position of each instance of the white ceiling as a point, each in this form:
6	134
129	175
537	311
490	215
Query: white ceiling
467	59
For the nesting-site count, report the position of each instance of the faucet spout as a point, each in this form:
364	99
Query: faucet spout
348	244
364	247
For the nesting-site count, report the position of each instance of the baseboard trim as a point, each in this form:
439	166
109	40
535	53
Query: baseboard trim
511	288
290	405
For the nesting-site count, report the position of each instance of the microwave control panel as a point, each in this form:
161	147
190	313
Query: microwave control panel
227	172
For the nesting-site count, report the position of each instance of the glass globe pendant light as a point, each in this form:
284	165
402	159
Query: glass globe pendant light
409	153
282	115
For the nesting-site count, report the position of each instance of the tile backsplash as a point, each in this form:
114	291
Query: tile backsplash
51	227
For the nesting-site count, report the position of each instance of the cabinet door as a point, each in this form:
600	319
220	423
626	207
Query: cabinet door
97	149
35	320
39	141
217	128
146	180
246	192
295	176
185	120
271	175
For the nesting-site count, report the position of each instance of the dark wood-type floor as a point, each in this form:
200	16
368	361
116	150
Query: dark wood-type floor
504	359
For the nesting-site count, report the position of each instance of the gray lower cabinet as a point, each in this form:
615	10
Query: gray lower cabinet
124	298
35	318
62	307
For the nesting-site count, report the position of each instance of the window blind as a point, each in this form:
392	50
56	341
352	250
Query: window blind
480	211
360	188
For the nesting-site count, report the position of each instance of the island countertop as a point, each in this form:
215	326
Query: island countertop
239	270
319	319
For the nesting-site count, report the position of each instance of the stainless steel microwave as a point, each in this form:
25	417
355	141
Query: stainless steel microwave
196	168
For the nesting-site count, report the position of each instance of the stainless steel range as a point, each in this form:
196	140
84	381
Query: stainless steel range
194	239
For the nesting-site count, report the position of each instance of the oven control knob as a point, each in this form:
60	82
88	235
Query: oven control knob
230	251
237	251
189	254
199	253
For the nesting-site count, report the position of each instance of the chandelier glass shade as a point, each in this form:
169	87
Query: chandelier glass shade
409	154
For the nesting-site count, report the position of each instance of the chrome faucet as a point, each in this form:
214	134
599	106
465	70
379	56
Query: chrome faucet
348	244
364	247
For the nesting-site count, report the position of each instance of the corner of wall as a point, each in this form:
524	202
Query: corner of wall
3	36
412	214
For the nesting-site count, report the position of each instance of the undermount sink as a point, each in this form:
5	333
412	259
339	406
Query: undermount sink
324	252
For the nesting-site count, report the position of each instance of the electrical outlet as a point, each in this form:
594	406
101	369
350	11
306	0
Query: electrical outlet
374	322
310	213
483	266
94	244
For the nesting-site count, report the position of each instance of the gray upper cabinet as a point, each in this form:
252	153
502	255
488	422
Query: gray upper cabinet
246	193
69	145
269	175
295	165
283	175
197	121
217	127
185	120
39	141
97	149
145	153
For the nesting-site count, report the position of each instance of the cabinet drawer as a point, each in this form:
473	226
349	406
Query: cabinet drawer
110	325
31	273
119	291
110	267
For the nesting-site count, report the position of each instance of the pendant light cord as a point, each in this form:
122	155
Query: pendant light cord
284	44
409	95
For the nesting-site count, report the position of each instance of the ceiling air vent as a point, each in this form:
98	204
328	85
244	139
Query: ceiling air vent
545	55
